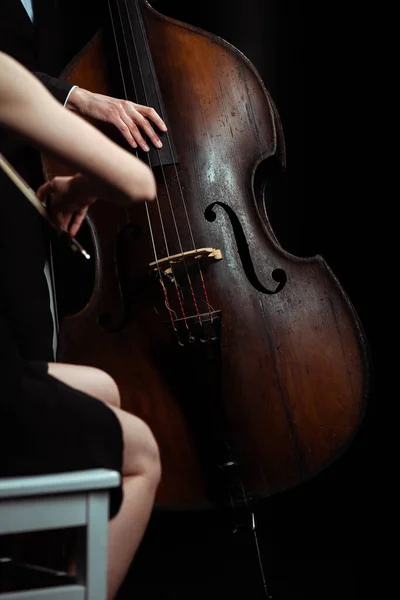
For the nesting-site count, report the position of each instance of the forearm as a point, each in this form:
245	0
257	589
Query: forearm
29	109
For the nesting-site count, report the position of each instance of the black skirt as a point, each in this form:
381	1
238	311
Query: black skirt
48	427
53	428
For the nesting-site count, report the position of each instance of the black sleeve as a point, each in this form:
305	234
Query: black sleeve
57	87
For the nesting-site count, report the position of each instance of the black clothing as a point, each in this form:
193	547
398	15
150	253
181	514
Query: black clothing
45	425
24	247
60	30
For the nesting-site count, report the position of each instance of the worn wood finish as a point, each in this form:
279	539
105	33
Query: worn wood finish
294	370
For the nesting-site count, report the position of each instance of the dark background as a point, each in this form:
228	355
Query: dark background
316	541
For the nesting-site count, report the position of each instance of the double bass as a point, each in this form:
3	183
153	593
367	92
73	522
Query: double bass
249	364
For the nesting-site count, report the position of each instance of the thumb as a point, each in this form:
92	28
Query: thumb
44	191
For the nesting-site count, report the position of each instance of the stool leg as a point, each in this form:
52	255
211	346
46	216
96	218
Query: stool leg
92	547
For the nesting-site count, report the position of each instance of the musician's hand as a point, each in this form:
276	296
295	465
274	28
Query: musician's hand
68	200
129	118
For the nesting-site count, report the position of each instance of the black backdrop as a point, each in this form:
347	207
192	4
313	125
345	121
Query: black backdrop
316	540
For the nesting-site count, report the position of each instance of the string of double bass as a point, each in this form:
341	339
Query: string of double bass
179	183
170	311
177	288
166	298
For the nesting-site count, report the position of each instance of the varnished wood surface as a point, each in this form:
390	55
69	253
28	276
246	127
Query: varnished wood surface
294	367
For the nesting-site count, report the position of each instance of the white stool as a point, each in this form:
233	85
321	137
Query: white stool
64	500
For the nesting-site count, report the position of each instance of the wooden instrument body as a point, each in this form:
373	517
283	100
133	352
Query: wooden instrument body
293	370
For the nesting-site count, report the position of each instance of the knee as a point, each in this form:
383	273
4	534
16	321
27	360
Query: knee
146	456
108	389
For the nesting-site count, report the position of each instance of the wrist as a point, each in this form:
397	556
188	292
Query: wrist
77	100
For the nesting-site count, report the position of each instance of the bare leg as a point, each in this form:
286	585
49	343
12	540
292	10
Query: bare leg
94	382
141	470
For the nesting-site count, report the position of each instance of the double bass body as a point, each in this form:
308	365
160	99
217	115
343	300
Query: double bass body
244	351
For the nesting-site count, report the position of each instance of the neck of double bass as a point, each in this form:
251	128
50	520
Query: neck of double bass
134	70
